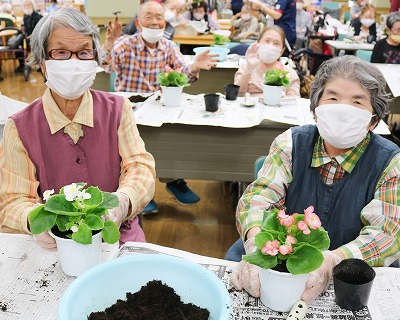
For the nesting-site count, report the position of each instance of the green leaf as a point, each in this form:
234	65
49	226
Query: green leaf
304	259
41	220
262	238
96	197
94	222
261	260
59	205
83	235
110	201
98	211
110	232
62	222
271	222
318	238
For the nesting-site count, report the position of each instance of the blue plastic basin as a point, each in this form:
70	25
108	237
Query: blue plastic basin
223	52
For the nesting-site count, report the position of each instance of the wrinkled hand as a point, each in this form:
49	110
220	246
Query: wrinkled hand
204	61
119	213
245	276
318	280
251	57
114	30
46	241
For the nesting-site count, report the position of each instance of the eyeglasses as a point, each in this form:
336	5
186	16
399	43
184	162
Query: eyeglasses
63	54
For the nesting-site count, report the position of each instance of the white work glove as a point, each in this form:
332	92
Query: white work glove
318	280
245	276
46	241
118	214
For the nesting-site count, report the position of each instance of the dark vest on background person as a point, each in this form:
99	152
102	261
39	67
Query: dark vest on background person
338	205
59	161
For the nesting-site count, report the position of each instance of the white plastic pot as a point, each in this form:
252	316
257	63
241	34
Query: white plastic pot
272	95
171	96
76	258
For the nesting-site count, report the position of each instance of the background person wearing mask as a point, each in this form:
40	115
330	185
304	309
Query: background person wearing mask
388	50
139	58
6	11
171	18
72	134
31	19
246	25
199	12
328	166
261	57
303	24
364	26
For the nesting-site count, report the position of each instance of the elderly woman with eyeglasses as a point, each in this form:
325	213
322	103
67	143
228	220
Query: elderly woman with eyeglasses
339	166
72	133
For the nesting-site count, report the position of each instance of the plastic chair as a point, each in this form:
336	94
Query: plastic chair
364	55
236	250
113	75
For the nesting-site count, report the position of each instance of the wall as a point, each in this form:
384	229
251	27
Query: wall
105	8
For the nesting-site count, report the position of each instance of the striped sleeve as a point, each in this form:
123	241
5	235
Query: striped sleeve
18	187
269	190
137	179
379	240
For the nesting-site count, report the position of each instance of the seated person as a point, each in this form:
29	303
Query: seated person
261	57
364	27
172	10
255	10
328	165
72	133
246	25
6	11
53	6
199	12
388	50
303	24
138	59
355	10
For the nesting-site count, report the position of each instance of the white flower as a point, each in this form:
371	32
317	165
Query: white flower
74	228
83	195
47	194
72	191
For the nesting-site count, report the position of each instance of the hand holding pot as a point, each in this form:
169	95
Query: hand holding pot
46	241
245	276
318	280
119	213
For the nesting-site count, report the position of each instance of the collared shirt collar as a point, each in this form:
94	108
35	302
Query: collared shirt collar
57	120
347	160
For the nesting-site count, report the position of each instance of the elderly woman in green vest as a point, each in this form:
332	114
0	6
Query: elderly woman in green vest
72	133
349	174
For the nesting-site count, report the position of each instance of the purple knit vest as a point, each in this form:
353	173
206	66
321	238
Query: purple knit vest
58	161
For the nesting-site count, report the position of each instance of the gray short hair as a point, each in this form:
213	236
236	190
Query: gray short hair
392	18
63	17
351	68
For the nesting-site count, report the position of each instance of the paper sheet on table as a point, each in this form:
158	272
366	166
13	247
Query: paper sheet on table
8	107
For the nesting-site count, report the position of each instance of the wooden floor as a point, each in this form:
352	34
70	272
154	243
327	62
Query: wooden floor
206	228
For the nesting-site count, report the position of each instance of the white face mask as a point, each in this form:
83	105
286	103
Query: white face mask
169	15
299	6
28	11
198	16
342	125
268	53
152	35
70	78
367	22
246	16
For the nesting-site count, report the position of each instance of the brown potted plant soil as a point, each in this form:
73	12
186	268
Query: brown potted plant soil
154	301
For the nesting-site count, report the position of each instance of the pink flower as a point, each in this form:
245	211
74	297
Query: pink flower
270	248
179	70
290	239
168	68
279	65
311	218
285	219
303	227
285	249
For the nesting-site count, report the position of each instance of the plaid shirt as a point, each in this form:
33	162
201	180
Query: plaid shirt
137	68
378	241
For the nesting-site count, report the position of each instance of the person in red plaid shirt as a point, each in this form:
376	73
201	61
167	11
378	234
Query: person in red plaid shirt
138	59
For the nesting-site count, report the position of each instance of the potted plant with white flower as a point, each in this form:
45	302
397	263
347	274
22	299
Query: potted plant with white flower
274	81
74	217
172	83
289	247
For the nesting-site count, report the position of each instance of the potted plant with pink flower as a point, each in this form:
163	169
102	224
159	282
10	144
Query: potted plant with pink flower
172	83
274	81
289	247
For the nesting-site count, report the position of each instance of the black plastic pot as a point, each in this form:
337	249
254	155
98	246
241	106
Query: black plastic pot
231	91
211	100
